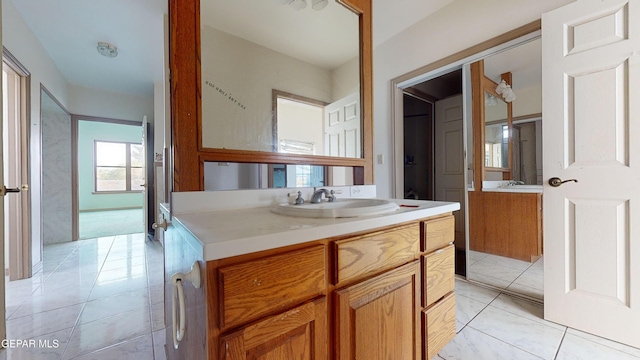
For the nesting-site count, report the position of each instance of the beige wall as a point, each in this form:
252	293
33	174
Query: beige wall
454	28
247	73
22	43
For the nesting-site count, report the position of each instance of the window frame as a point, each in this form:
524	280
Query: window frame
127	167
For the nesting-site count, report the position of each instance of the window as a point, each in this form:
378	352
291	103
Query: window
118	166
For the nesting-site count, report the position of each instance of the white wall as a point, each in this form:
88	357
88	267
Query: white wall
454	28
22	43
108	104
345	79
237	86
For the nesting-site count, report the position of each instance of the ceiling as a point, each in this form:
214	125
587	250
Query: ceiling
136	28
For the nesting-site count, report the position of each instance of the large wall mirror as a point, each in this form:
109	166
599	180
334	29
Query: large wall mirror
271	82
253	49
496	132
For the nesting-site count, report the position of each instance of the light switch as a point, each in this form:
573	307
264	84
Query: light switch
380	159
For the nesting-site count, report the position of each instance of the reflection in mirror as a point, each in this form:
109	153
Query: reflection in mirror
496	133
251	47
297	124
527	151
236	176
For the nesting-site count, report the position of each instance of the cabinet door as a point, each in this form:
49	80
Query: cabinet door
379	318
297	334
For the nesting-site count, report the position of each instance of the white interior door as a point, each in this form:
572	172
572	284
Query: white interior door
342	127
591	111
449	164
146	186
3	328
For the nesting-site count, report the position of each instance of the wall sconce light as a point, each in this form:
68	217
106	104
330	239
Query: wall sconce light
503	89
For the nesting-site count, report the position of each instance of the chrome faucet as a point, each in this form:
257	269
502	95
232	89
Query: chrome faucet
317	196
514	183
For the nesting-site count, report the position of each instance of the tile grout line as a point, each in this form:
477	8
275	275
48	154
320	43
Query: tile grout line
561	341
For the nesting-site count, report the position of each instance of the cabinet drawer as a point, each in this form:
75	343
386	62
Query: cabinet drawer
438	271
254	288
439	325
372	254
437	233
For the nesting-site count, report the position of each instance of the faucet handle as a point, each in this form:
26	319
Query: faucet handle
299	200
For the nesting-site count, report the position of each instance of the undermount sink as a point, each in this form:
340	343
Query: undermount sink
338	209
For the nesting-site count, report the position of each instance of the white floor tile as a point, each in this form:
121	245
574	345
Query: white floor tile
106	332
140	348
489	280
467	309
475	292
523	333
605	342
47	347
113	305
43	323
473	344
577	348
525	308
493	270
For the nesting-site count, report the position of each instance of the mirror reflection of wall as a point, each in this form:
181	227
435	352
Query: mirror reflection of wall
527	151
524	64
238	176
250	47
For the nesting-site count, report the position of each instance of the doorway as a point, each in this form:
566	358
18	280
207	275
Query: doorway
463	61
434	147
17	232
110	168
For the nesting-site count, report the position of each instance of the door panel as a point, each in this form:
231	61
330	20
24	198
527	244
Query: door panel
342	127
590	94
449	167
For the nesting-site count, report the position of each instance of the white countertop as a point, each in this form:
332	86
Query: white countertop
224	233
503	186
517	189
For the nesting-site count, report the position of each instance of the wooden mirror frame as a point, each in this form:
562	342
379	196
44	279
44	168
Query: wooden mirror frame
479	84
189	155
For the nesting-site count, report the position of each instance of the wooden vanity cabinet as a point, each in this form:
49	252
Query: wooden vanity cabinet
382	294
379	318
438	283
299	333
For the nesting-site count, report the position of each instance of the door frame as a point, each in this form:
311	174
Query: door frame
75	201
462	59
20	259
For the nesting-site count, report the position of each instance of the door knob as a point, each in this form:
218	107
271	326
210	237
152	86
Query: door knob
555	182
163	224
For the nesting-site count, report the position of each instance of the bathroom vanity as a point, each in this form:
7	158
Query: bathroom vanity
507	221
284	287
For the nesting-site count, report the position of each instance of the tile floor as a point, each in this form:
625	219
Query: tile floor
94	299
492	325
102	299
518	276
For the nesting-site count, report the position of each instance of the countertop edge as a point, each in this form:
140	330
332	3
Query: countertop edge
240	246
